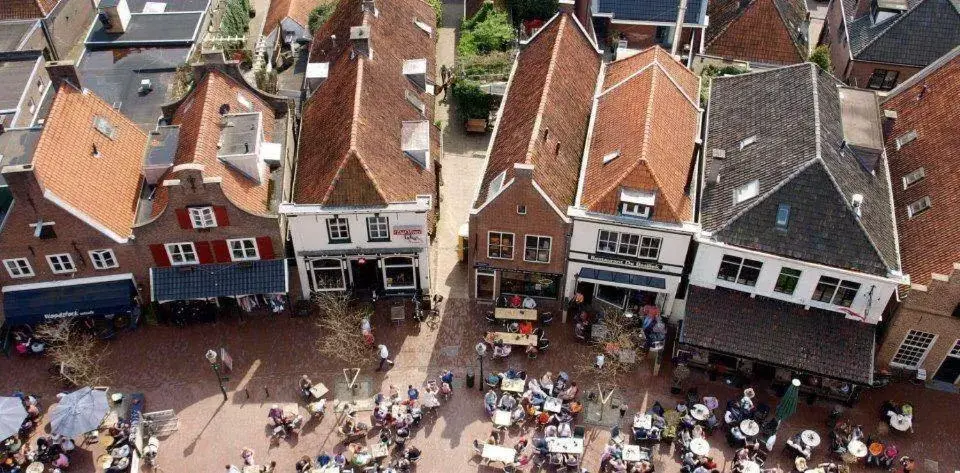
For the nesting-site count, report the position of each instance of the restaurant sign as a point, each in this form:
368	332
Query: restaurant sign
67	314
626	262
411	233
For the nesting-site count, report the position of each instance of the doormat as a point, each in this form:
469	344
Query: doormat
607	415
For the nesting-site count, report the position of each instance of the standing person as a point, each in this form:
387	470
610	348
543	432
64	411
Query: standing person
384	356
447	377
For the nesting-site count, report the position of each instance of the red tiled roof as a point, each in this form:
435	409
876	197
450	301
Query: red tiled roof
757	33
198	116
549	94
25	9
104	187
296	10
648	112
350	140
930	241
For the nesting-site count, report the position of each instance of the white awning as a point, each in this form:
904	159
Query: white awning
638	197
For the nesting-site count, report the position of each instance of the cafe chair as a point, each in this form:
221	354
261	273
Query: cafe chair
579	431
543	344
546	318
489	316
538	332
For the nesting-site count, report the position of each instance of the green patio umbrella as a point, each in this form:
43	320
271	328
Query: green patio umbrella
788	404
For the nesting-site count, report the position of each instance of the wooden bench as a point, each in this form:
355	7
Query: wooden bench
476	125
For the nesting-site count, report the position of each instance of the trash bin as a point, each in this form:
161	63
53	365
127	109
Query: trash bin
469	380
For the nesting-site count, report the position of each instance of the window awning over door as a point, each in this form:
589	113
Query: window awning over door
205	281
84	297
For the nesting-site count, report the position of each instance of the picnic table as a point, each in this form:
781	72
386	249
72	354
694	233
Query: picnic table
319	390
501	418
510	313
498	453
552	404
379	450
565	445
643	421
512	385
631	453
515	338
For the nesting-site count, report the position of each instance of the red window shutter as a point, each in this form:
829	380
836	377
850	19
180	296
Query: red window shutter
265	247
220	212
204	252
220	251
183	216
160	255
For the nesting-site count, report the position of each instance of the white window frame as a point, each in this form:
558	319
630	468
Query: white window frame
311	270
63	260
243	249
646	243
413	269
924	351
606	242
521	209
177	248
746	191
624	247
342	226
18	268
378	224
914	177
99	259
955	351
918	207
202	217
513	244
538	249
634	209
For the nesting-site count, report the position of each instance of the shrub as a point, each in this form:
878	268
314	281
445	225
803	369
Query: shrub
472	102
438	9
821	57
236	18
524	10
491	32
320	15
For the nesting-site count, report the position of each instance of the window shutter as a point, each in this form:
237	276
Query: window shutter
221	251
183	216
265	247
221	213
204	253
160	255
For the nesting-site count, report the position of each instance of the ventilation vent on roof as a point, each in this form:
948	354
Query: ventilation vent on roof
891	114
856	201
371	7
611	156
415	141
747	141
717	153
96	151
104	127
906	138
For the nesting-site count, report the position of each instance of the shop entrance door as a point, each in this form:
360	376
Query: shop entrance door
485	285
949	371
366	276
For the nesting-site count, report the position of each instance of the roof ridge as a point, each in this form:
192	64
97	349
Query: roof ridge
551	68
673	81
626	79
632	55
928	71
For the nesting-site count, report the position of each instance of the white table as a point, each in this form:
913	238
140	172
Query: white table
512	385
565	445
319	390
749	427
631	453
749	466
810	438
498	453
510	313
501	418
901	422
398	411
857	448
699	446
643	421
552	404
515	338
699	412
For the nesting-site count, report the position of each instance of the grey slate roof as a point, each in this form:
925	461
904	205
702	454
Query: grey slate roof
15	70
794	112
17	146
219	280
150	29
653	10
14	32
917	37
780	333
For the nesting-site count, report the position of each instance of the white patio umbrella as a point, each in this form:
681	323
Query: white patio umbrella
12	415
79	412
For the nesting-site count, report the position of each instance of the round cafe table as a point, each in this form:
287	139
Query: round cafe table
749	466
749	427
900	422
35	467
699	446
699	412
810	438
857	448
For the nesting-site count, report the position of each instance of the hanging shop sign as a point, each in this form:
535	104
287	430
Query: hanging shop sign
411	233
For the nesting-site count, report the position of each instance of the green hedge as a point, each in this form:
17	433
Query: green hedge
489	30
472	102
236	18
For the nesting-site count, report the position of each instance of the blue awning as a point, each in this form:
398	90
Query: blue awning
622	279
34	303
205	281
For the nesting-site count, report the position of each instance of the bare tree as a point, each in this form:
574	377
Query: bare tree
77	352
618	343
340	322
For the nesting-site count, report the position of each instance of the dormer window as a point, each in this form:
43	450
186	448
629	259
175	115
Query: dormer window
746	191
637	203
905	138
914	177
883	10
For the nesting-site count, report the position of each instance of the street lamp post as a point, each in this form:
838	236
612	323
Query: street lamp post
481	350
212	358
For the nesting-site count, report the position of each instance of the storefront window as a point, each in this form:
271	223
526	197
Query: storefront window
398	273
327	275
530	284
611	295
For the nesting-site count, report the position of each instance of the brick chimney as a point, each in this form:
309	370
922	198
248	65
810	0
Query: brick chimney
523	172
360	38
63	71
579	9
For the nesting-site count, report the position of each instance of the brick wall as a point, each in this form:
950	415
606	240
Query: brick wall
501	215
831	37
644	36
859	72
928	309
210	242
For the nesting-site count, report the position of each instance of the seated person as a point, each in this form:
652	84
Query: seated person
515	301
412	454
275	414
550	431
412	393
500	350
305	385
564	430
507	402
304	465
323	459
490	401
570	393
525	327
540	445
656	409
518	414
520	445
339	459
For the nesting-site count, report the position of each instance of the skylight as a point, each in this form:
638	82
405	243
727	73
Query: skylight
497	183
747	141
423	26
611	156
104	126
746	191
783	215
914	177
247	104
905	138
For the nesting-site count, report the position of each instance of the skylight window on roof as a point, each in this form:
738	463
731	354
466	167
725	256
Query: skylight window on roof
746	191
914	177
783	215
919	207
247	104
415	141
496	184
906	138
415	101
747	141
611	156
104	127
423	26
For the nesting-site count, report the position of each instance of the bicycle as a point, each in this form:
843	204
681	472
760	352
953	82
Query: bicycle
431	316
